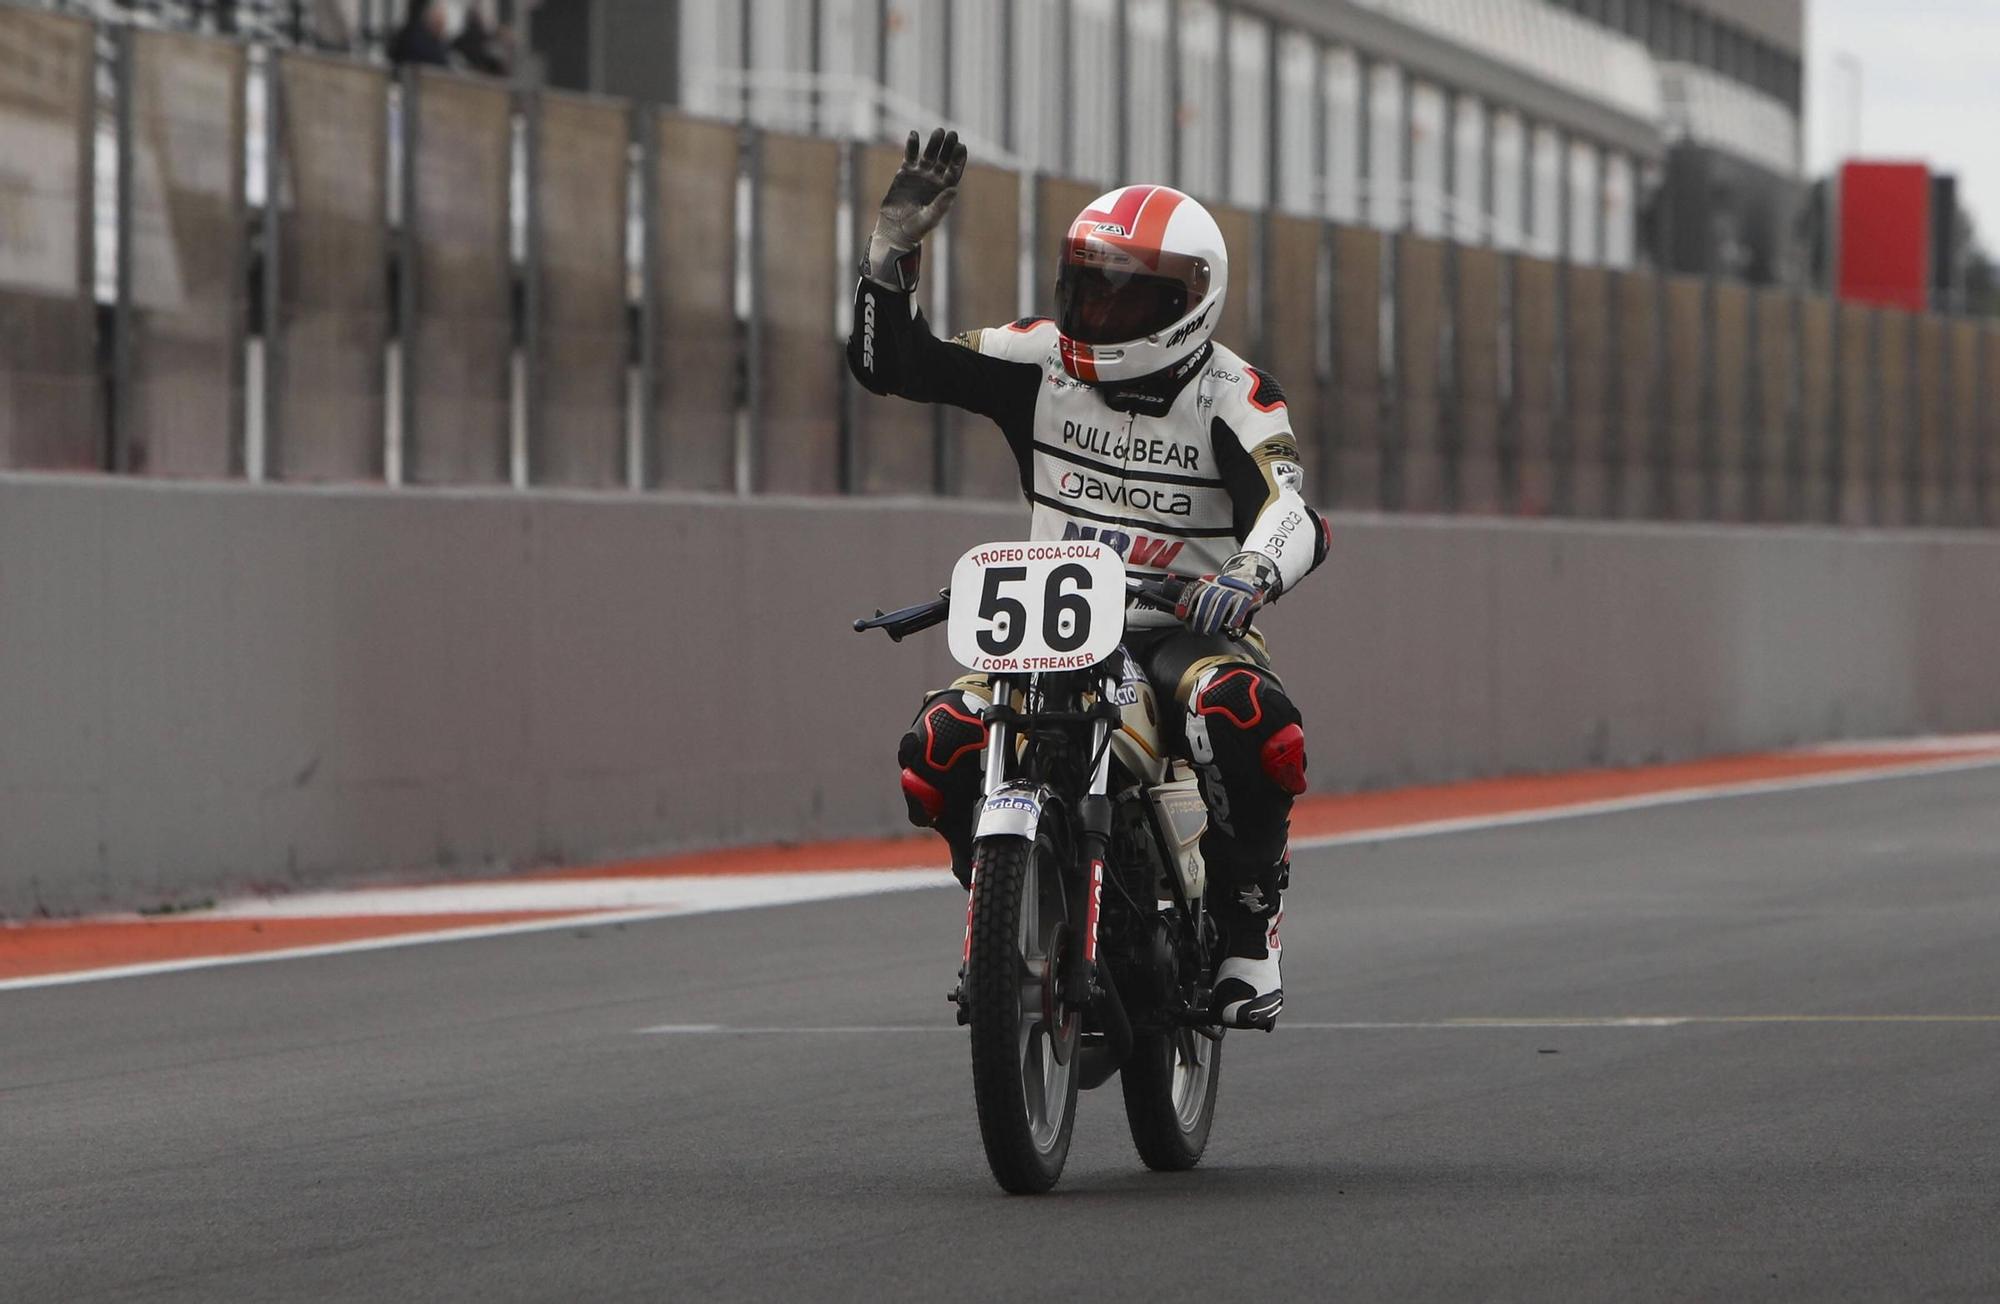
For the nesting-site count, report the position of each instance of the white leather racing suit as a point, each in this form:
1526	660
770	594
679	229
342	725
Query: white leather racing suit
1177	471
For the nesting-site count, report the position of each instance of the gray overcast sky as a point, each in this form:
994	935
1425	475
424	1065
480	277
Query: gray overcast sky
1930	72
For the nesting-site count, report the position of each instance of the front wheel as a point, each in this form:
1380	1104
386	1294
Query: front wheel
1024	1037
1170	1084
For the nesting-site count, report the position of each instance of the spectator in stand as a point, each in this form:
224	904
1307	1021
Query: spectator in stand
421	38
482	48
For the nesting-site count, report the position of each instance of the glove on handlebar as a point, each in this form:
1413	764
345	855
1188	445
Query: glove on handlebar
923	191
1225	603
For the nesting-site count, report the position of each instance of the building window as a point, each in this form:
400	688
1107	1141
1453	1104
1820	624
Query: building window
1545	216
1428	147
1586	203
1509	164
1620	221
1298	175
1386	134
1468	171
1342	71
1249	104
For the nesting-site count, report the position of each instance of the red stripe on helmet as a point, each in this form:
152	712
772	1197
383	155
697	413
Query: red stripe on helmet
1139	217
1077	359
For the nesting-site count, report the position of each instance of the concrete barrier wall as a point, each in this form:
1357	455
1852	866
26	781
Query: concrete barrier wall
206	688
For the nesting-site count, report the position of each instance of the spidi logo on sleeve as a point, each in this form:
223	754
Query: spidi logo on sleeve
868	331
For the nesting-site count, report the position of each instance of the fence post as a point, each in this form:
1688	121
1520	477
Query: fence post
1121	111
647	470
1611	428
1951	463
1333	429
1709	456
1562	428
1507	432
1659	433
1007	90
1911	462
277	171
1756	502
1450	430
120	451
847	433
1173	93
1986	395
1392	410
89	250
407	288
1835	487
750	421
1796	472
535	454
239	302
1875	455
1066	92
1983	399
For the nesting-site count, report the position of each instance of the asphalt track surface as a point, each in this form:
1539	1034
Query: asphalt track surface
487	1120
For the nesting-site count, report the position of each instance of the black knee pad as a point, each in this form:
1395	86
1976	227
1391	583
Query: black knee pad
1247	742
940	759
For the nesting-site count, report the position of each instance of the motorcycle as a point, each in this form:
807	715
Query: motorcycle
1088	952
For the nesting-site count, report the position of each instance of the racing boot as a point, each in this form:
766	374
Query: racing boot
1248	990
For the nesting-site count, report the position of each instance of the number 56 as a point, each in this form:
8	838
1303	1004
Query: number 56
1065	611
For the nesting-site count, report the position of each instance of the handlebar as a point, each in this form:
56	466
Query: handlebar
905	621
1160	595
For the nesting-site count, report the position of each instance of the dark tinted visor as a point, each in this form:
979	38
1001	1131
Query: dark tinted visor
1114	300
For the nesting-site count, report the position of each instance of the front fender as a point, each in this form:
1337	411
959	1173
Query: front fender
1014	811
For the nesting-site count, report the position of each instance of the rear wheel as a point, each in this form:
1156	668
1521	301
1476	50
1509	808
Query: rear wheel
1170	1084
1024	1037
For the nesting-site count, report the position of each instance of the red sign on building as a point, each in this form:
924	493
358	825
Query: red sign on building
1885	234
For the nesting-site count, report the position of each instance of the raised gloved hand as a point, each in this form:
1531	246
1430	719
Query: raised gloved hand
1225	603
923	191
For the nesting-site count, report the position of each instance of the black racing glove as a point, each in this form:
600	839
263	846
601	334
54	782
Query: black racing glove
921	194
1225	603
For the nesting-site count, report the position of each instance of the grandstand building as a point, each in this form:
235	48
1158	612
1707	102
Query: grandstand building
1609	131
1616	132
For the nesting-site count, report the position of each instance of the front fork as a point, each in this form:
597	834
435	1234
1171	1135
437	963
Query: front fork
1093	830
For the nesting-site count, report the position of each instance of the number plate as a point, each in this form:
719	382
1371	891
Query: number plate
1022	607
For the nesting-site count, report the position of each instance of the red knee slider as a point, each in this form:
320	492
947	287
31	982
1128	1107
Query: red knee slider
1284	758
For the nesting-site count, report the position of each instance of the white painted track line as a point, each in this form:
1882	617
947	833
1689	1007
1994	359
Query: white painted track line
687	903
1646	801
600	901
680	894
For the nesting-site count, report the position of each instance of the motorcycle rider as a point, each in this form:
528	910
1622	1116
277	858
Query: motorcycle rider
1132	426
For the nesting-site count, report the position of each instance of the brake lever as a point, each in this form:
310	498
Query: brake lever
905	621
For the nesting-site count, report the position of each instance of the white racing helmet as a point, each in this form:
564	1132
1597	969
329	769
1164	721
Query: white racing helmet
1140	284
